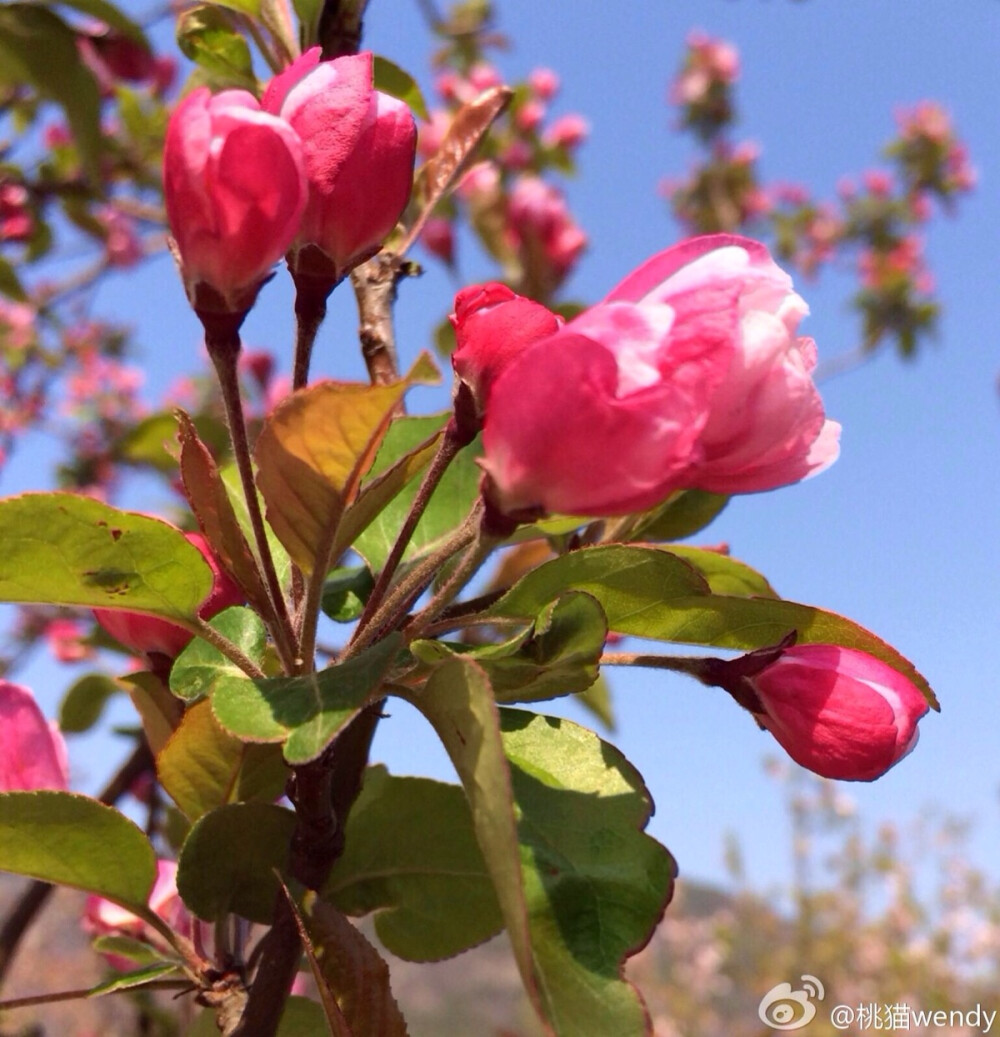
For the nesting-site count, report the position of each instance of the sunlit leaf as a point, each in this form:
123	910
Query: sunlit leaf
138	978
228	862
391	79
305	712
64	549
203	767
725	575
312	453
206	35
558	655
345	593
454	496
72	840
683	515
201	667
411	857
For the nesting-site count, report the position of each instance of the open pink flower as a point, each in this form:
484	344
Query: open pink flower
766	426
602	417
148	634
32	751
235	190
839	712
359	146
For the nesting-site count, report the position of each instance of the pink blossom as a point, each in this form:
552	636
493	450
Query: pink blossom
766	426
147	635
438	237
32	751
493	326
839	712
17	324
482	179
235	190
530	116
65	640
543	228
603	417
483	75
16	219
432	134
568	131
358	146
121	241
544	83
103	918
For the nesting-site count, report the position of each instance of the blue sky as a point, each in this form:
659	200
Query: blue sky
901	534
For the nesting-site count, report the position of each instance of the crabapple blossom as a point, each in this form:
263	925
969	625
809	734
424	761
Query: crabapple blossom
32	751
837	711
235	190
358	146
688	375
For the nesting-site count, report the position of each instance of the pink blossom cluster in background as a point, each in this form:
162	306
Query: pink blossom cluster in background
877	223
520	214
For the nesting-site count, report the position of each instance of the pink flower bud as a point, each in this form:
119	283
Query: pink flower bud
839	712
493	327
766	426
148	634
32	751
235	190
544	230
568	131
438	238
359	147
103	918
544	83
530	116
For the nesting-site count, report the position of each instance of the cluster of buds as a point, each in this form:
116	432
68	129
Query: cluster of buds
321	169
521	217
702	89
115	57
724	192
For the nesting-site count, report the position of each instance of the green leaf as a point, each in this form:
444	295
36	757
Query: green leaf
597	699
312	452
128	947
84	703
228	862
159	710
626	581
725	575
153	440
10	284
73	840
305	712
458	702
392	80
455	495
64	549
560	825
38	47
203	767
131	980
206	35
596	885
682	515
201	666
411	857
651	593
345	593
558	655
